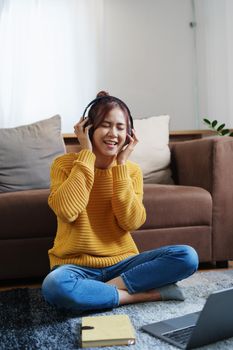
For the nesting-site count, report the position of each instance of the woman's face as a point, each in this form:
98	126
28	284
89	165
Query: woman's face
110	136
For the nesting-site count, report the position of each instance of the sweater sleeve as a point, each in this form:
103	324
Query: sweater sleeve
127	198
71	183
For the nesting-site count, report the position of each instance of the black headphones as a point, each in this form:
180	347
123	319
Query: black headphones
110	99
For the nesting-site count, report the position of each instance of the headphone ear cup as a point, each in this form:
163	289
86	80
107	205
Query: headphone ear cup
130	131
131	127
91	130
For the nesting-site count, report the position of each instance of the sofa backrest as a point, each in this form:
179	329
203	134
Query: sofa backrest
72	148
71	144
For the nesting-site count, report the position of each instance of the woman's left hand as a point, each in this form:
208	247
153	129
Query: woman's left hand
127	149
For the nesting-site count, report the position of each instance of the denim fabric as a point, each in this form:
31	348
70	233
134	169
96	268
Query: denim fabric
80	288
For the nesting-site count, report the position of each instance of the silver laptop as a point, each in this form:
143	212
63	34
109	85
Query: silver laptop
213	323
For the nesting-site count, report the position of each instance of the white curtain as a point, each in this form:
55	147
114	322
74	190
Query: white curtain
49	59
215	60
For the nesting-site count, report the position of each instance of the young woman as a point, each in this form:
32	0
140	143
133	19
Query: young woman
97	197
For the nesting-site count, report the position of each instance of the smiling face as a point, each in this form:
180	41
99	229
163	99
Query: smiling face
110	135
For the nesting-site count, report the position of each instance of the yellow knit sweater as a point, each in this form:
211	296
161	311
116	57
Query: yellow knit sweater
96	210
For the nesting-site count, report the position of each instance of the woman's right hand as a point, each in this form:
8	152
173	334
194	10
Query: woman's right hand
82	133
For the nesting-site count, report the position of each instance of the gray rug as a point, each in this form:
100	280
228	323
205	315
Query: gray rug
27	322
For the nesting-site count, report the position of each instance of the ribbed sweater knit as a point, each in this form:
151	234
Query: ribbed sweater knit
96	210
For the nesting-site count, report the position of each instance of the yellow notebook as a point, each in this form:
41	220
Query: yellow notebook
107	331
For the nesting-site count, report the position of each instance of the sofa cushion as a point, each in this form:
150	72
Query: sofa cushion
152	152
198	237
26	214
26	153
176	206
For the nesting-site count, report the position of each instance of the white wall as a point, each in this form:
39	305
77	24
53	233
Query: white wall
149	58
215	58
142	51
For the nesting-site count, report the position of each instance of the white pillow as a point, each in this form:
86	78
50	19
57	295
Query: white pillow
152	153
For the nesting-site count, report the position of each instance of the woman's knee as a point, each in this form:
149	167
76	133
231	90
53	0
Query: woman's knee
69	291
190	258
57	286
51	288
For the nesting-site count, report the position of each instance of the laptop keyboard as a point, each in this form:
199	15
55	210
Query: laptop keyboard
180	335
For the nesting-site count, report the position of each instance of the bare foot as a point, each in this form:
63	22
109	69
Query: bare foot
126	298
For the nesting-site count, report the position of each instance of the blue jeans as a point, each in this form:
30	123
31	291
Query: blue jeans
81	288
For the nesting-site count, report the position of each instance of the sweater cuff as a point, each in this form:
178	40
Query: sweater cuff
87	157
120	172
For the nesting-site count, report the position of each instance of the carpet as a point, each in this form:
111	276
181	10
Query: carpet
27	322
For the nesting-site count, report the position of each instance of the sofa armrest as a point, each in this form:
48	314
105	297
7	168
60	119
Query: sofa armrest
208	163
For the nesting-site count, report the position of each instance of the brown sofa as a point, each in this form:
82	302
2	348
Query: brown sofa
197	210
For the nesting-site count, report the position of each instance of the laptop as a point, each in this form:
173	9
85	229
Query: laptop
213	323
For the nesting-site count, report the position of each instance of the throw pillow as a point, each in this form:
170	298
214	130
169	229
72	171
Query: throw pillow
152	153
26	153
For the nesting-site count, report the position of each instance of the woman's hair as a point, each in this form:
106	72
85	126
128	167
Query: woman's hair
102	107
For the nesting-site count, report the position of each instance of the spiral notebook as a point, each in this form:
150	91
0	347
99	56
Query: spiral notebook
107	331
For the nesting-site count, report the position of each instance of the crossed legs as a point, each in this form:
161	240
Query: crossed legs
149	276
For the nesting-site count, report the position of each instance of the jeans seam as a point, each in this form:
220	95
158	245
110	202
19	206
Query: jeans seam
116	298
127	283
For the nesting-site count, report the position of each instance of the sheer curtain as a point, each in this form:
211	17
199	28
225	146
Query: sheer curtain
49	59
215	59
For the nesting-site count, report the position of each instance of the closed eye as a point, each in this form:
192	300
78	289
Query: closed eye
105	125
120	126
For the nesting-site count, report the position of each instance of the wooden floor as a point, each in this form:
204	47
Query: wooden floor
36	283
24	283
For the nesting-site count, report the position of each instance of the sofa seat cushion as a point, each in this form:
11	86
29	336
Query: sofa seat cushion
26	214
176	206
199	237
